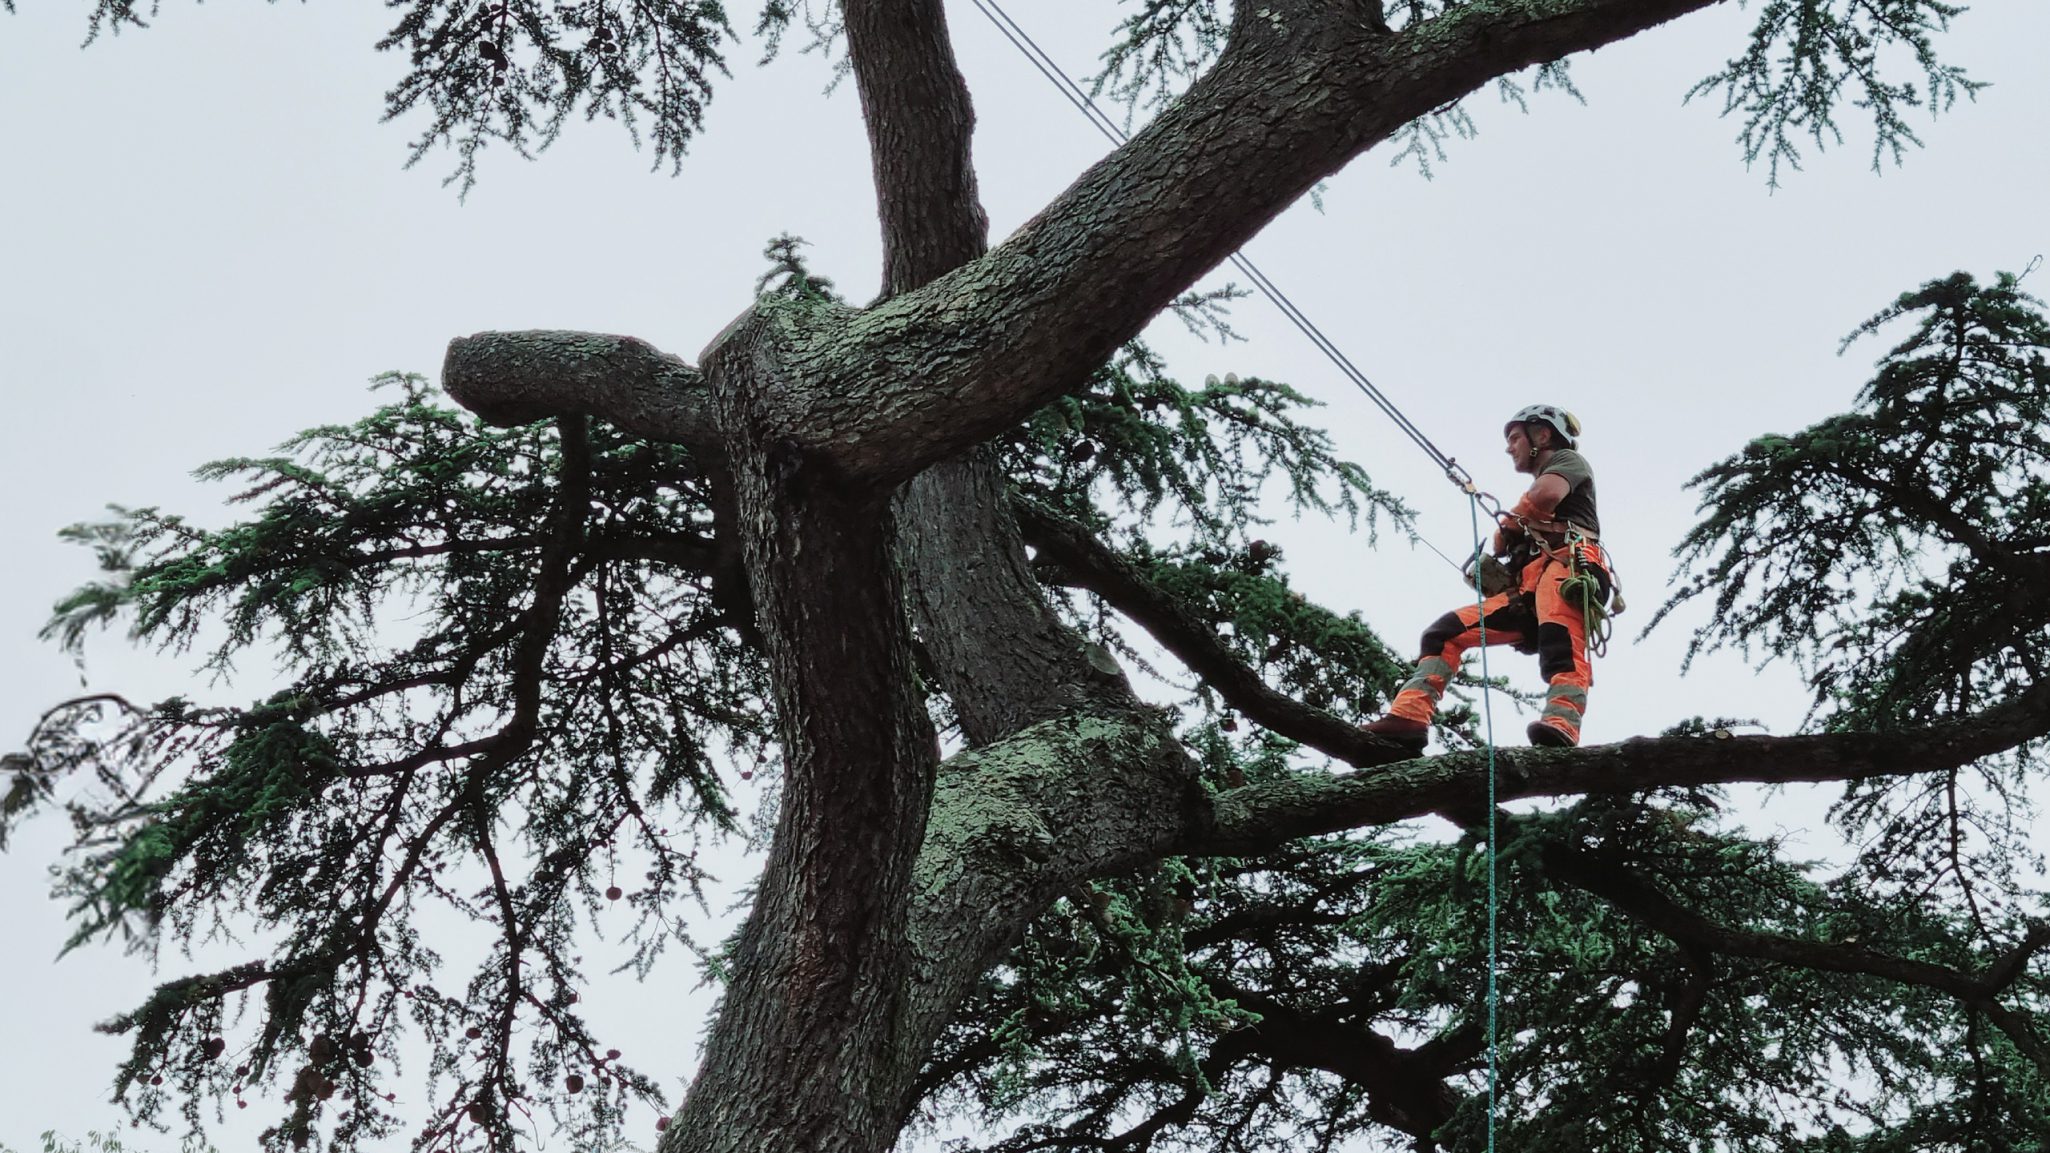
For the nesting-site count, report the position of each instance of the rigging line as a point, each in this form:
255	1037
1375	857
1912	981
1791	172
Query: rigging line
1084	103
1494	902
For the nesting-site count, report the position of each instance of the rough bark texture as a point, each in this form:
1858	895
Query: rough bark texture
1303	86
512	378
818	970
974	596
920	122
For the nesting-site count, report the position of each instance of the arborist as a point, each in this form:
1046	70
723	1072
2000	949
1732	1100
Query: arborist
1553	592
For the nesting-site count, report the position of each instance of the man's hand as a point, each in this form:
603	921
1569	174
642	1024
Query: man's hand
1507	534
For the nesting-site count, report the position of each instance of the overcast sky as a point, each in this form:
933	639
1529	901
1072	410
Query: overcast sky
210	243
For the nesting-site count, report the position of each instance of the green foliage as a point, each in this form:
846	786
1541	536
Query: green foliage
515	71
1175	480
98	1142
1160	47
1666	982
1896	552
1804	62
513	677
1147	446
1807	59
1333	994
789	275
516	665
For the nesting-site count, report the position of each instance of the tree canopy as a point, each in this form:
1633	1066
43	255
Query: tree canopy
531	640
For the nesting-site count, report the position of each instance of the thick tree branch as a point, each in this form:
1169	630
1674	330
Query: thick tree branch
1259	817
920	120
1614	882
512	378
1405	1088
999	652
1641	899
1101	571
1302	88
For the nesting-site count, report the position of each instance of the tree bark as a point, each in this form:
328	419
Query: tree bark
817	979
1302	87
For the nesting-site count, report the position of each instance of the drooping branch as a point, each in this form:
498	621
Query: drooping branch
1641	899
1302	88
512	378
1101	571
1259	817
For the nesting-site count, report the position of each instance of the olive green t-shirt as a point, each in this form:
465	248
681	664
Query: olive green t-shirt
1577	507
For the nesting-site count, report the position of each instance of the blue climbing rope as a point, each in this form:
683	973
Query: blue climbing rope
1488	729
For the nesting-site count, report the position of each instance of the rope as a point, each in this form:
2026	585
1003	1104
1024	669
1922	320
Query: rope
1479	501
1080	98
1488	720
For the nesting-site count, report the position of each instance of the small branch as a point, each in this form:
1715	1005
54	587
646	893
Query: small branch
1638	897
1195	643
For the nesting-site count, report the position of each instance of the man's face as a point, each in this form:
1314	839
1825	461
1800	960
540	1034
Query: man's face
1518	447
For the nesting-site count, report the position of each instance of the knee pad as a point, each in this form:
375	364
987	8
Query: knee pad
1555	650
1441	633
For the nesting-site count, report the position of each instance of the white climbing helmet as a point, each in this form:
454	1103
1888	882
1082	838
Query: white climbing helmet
1550	415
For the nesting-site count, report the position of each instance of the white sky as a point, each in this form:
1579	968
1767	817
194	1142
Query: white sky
210	244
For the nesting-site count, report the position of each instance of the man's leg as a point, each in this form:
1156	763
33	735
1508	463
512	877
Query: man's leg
1562	661
1444	643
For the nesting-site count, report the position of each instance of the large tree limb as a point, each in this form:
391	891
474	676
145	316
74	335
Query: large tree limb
920	120
1001	655
1611	880
821	963
511	378
1259	817
1302	87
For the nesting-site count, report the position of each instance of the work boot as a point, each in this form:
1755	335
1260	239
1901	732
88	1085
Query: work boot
1550	736
1409	734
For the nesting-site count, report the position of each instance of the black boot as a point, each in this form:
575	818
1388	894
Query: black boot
1400	731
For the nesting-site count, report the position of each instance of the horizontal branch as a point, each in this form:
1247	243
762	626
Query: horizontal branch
1640	899
1260	817
512	378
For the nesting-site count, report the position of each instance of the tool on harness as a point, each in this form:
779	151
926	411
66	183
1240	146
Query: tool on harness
1594	588
1488	574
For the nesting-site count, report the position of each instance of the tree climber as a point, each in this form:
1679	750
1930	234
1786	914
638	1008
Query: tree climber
1549	541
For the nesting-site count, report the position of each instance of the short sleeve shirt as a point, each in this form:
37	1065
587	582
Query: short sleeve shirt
1577	507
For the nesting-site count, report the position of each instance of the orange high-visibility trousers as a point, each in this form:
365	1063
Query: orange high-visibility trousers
1535	614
